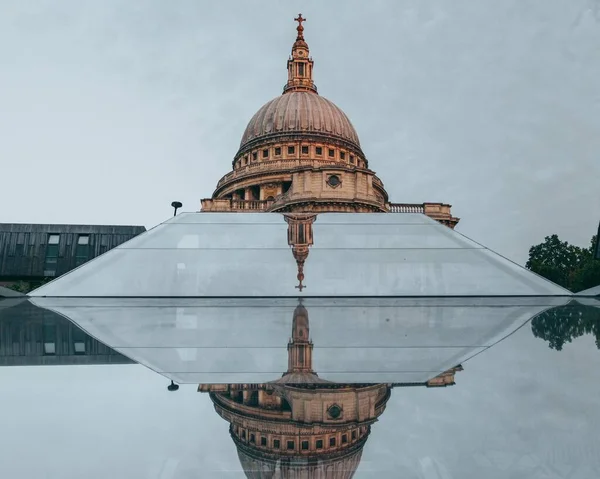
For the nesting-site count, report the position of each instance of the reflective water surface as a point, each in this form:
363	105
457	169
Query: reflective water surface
421	388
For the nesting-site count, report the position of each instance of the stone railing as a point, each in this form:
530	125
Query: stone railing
273	165
238	205
215	205
406	208
438	211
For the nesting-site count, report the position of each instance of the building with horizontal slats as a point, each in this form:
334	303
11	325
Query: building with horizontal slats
31	336
35	253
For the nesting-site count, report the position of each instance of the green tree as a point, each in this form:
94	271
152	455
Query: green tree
563	324
20	287
568	265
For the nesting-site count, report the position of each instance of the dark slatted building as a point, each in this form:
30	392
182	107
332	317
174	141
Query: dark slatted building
35	253
31	336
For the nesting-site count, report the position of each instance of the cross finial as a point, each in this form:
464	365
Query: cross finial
300	28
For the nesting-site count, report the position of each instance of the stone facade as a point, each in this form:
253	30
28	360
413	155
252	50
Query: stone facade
300	153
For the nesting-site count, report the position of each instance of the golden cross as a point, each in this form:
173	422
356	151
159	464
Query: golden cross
300	19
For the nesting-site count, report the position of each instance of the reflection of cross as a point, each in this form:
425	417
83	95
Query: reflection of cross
300	19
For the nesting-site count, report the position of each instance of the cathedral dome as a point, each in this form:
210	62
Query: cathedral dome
300	112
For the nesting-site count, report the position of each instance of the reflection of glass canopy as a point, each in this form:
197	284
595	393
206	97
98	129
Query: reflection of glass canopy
338	254
399	340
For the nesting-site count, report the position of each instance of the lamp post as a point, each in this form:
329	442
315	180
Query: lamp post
176	205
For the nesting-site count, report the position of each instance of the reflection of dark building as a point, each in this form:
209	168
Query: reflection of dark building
33	252
301	425
31	336
563	324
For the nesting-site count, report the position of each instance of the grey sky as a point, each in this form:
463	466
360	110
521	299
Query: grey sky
111	110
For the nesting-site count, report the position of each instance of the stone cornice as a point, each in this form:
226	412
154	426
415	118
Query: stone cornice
274	167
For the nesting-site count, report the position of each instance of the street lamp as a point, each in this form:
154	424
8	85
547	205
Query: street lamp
173	386
176	205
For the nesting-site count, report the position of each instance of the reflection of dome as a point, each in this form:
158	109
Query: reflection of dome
300	425
338	466
300	112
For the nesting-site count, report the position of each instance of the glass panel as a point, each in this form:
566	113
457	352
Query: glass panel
83	239
53	239
328	272
327	235
371	340
339	322
49	348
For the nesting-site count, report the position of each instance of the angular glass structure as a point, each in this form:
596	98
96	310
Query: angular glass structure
212	297
338	254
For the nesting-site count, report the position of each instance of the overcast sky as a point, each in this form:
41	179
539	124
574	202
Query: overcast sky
111	110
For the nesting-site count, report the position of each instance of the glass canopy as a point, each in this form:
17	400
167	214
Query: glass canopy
277	255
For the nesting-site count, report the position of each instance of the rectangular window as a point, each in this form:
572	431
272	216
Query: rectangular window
290	445
301	69
319	444
78	337
353	435
265	153
305	445
331	152
351	159
83	249
305	150
344	438
263	441
252	438
254	155
19	249
51	255
49	338
276	443
278	151
291	150
319	150
342	155
331	441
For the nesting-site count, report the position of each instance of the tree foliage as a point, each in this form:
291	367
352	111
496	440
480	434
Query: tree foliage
563	324
568	265
20	287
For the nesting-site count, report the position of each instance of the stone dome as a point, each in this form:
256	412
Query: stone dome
300	112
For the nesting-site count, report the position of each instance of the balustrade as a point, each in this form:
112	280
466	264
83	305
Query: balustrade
406	208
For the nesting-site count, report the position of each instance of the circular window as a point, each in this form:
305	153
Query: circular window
333	180
334	411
